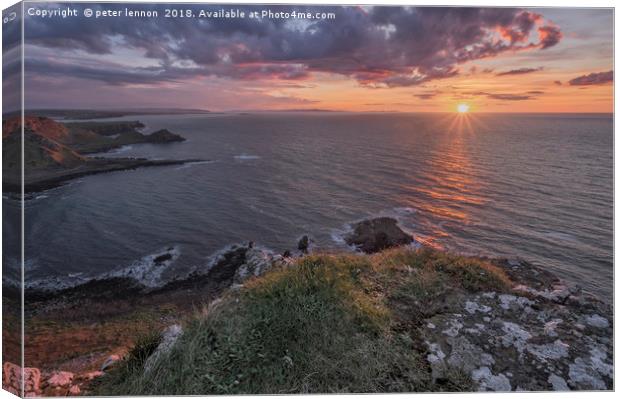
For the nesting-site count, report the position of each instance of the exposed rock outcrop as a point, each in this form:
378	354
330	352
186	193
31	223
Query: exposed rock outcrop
303	244
374	235
53	153
60	379
168	339
163	136
535	339
39	125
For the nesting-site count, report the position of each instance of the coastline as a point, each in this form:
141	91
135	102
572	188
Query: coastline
538	324
52	179
57	152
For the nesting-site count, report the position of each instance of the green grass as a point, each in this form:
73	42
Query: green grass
327	324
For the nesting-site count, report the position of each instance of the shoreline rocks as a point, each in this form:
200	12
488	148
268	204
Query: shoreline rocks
539	334
163	136
303	244
374	235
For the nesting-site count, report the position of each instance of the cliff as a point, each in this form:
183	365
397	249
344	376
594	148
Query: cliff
399	319
54	152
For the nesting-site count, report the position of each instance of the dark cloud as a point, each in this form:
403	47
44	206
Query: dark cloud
293	100
519	31
377	46
11	59
427	95
510	97
520	71
506	96
549	35
595	78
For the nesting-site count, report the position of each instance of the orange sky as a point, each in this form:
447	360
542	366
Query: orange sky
366	59
443	96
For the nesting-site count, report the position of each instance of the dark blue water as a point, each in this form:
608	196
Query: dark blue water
536	187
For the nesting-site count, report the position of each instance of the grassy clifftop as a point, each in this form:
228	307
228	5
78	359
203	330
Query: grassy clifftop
326	323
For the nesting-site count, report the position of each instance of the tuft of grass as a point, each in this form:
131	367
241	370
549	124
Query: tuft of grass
326	324
130	365
453	271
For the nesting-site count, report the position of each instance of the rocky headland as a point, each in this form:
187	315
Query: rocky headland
55	152
413	318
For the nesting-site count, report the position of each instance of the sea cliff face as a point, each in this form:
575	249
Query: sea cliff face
55	152
401	319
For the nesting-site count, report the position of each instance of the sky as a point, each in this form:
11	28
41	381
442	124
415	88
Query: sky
365	59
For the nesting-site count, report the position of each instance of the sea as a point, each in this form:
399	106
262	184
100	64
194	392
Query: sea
535	187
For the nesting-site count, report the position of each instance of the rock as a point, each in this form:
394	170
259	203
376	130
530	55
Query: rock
467	356
537	340
303	244
514	335
597	321
92	375
60	379
558	293
110	361
256	263
163	136
162	258
473	307
225	268
375	235
518	302
583	376
552	351
436	360
454	327
551	326
558	383
168	339
490	382
12	378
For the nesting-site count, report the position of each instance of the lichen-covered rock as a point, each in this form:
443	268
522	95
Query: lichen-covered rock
532	338
256	262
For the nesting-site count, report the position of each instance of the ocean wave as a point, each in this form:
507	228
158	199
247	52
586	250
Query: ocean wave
149	269
219	255
556	235
190	164
246	157
339	235
122	149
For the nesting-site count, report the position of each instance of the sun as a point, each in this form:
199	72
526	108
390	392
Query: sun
462	108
